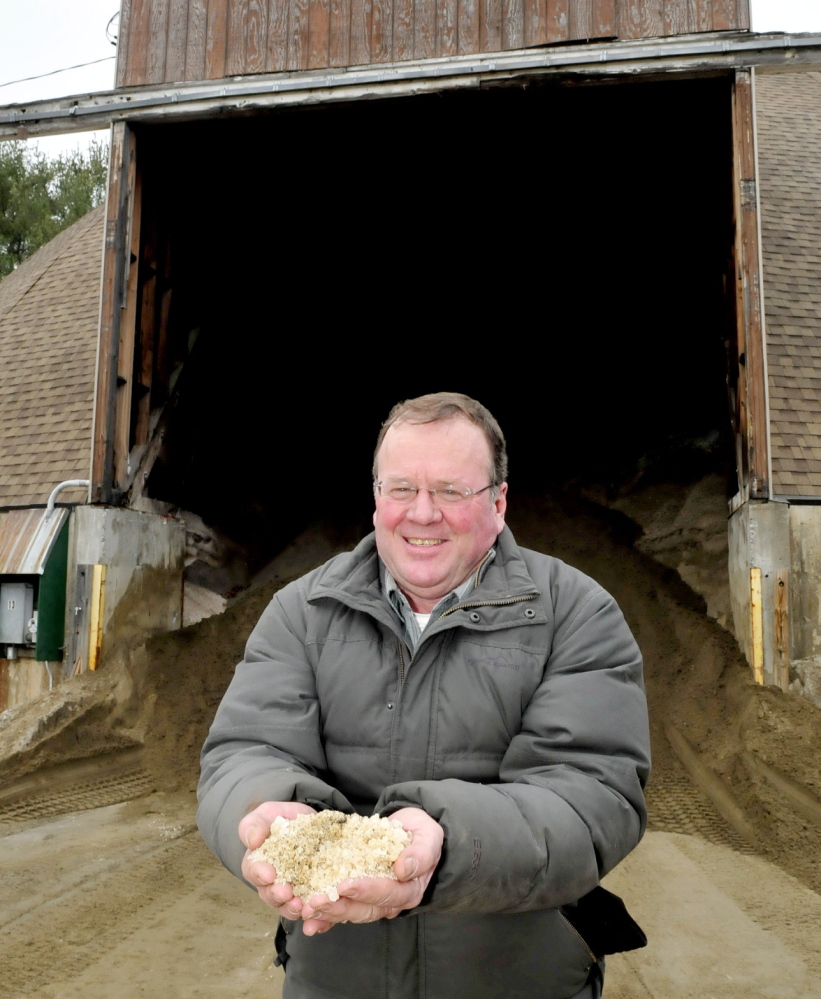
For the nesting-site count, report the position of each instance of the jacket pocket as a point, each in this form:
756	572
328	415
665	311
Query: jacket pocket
348	962
517	956
601	919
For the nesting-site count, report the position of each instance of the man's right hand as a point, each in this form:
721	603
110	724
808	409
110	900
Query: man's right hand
253	831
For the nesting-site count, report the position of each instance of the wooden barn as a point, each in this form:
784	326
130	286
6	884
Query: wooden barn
317	207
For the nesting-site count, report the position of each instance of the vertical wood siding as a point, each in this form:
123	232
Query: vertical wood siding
166	41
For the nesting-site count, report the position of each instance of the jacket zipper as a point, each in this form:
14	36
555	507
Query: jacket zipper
581	938
475	603
488	603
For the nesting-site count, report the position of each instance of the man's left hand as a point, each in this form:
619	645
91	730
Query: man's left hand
364	900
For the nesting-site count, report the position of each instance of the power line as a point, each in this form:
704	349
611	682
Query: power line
52	72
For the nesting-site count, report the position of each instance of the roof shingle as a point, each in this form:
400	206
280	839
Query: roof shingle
789	153
49	313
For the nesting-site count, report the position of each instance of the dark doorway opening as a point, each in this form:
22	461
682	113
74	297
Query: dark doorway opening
560	252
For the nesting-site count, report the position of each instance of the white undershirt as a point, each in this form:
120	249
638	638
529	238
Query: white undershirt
422	620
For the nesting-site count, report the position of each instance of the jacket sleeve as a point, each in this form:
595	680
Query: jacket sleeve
569	805
264	743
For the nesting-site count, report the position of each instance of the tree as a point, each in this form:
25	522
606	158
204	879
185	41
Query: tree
40	196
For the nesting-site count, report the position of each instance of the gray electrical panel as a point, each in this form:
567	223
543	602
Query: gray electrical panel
16	611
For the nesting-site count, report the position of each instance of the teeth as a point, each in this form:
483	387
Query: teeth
424	541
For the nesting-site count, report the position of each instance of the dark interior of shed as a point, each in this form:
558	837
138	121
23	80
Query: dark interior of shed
558	251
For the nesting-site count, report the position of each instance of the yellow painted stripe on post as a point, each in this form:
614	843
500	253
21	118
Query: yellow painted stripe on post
757	625
95	628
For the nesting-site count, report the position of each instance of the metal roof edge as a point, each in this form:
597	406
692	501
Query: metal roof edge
776	51
27	537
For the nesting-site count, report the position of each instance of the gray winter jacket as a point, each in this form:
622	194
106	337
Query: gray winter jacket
519	724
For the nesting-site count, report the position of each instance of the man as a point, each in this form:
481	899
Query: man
487	697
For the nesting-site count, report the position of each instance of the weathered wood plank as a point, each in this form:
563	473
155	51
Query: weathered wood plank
319	33
123	43
535	22
177	41
675	19
604	19
235	43
128	327
490	25
276	47
339	41
139	32
216	38
147	325
382	30
631	18
424	39
298	32
743	15
725	17
580	20
116	227
700	15
748	280
157	42
256	35
403	29
513	24
360	32
558	20
195	40
781	659
652	24
469	14
447	13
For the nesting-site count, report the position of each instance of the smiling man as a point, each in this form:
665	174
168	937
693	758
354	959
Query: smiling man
487	697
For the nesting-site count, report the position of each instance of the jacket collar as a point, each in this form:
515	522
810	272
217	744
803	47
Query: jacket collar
353	579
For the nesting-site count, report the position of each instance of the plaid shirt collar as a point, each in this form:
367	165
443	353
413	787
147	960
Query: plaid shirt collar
399	602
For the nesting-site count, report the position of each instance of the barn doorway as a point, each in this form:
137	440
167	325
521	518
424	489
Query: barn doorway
559	251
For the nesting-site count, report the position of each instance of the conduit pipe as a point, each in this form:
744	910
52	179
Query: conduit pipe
57	489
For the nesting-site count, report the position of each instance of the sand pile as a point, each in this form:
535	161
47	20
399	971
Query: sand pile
314	853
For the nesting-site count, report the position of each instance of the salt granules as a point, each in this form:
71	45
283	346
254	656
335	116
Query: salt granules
314	853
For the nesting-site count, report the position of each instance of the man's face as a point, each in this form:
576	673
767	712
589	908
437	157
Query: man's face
430	548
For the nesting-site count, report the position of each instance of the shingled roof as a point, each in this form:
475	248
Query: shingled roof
49	312
789	152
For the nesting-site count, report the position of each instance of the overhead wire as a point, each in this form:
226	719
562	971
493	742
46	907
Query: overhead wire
52	72
110	36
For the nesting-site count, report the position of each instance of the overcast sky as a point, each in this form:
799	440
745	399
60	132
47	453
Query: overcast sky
39	36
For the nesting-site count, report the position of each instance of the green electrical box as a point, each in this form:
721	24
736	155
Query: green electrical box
51	603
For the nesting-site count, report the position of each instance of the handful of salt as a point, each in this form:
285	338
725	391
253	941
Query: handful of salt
314	853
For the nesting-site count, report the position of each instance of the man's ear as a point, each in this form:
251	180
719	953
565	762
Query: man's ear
501	506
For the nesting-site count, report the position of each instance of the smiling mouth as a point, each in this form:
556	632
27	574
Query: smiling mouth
424	542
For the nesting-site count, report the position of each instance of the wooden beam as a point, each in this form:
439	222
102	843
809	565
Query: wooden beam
756	625
116	228
751	348
97	608
696	54
781	659
122	42
128	323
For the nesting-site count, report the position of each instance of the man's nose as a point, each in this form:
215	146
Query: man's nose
423	509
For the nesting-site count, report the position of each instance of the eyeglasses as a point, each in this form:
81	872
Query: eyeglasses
402	492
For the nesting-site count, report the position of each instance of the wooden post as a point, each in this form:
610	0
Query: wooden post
752	388
128	320
756	626
118	275
95	627
781	660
